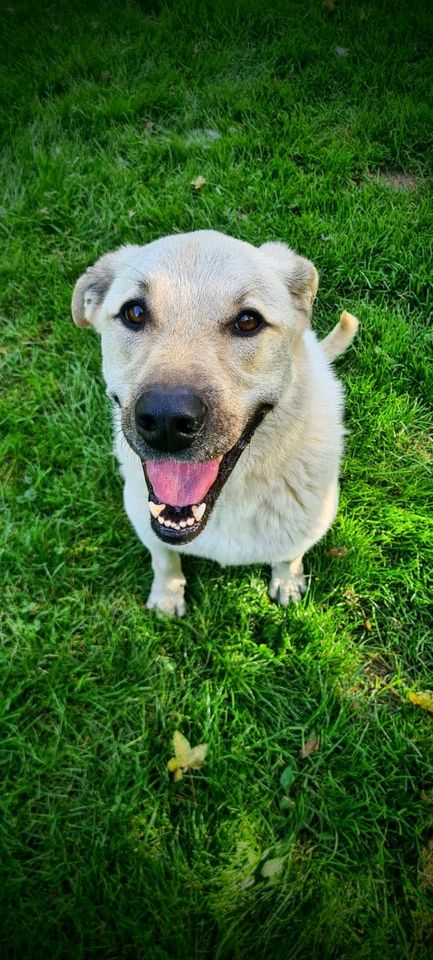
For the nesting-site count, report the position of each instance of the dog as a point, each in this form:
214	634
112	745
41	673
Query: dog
228	416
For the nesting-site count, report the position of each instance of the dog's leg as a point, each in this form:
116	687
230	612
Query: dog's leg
287	581
168	587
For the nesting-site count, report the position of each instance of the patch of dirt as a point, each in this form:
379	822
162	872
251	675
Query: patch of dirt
395	179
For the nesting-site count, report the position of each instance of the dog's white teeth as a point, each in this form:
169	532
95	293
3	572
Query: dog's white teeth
156	508
168	523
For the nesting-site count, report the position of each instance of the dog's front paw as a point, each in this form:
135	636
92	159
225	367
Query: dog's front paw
170	601
287	585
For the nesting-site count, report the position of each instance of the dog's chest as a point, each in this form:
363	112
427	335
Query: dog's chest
248	527
258	518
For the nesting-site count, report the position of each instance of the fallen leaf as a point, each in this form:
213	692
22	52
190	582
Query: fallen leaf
367	626
337	551
422	699
309	747
272	867
202	137
185	756
351	596
198	183
287	777
286	803
341	51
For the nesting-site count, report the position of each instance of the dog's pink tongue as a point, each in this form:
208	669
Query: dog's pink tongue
181	484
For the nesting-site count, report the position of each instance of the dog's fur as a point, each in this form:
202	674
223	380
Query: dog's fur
282	495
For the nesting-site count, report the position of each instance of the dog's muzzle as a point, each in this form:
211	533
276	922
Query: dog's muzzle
182	494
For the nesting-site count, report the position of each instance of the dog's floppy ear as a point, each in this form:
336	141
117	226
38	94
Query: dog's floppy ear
300	275
90	290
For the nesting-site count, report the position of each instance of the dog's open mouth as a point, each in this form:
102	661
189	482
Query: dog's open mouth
182	494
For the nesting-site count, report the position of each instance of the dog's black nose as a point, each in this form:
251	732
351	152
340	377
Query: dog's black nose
169	418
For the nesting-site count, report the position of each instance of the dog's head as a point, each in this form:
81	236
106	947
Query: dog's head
198	335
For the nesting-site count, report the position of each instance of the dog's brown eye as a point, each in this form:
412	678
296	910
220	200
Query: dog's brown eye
248	323
133	314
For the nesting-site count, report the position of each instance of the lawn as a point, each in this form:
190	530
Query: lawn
310	123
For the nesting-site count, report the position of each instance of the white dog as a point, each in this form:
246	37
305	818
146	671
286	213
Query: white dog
227	414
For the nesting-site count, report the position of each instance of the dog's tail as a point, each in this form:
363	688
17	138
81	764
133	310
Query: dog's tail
341	336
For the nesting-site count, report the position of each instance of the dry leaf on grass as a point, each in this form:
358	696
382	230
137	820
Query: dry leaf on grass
422	699
185	756
272	867
337	551
309	747
341	51
198	183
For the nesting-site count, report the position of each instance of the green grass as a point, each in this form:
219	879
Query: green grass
105	119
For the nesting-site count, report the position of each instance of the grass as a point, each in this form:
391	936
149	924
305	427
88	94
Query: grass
106	120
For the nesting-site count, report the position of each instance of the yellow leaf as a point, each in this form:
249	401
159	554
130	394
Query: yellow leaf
422	699
272	867
186	757
198	183
182	748
197	755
